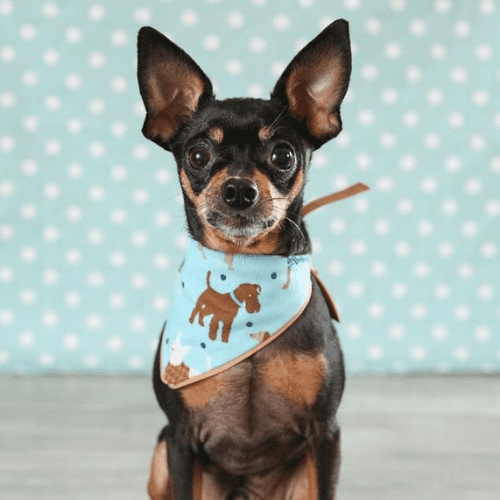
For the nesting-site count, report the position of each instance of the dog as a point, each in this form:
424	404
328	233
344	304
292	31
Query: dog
224	308
266	426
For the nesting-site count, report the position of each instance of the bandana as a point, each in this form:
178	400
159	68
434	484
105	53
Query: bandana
227	307
224	309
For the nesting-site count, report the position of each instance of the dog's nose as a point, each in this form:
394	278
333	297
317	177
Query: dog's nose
239	193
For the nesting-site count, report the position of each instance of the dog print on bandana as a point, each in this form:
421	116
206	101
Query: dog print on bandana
228	306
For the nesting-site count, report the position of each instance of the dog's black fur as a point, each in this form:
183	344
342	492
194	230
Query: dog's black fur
229	154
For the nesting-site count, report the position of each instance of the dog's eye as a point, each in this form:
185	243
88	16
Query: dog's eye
199	157
283	157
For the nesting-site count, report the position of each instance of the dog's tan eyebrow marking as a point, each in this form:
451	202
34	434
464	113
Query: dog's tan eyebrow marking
265	133
216	134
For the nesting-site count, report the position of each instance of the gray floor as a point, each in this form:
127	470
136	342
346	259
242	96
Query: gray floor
402	438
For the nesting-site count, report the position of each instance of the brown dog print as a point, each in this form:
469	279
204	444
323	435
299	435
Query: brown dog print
224	308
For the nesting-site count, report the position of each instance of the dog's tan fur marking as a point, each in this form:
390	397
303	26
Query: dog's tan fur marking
186	186
216	134
159	485
297	376
200	393
265	133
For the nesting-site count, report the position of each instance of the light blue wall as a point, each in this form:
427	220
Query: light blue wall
91	225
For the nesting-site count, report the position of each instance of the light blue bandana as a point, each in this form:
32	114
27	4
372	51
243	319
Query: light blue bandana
228	306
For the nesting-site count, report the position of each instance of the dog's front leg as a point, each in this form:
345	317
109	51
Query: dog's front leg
327	461
180	466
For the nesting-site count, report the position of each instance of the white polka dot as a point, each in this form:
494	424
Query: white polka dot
336	268
459	75
408	163
160	303
378	269
393	50
418	27
27	339
381	227
422	269
465	270
366	117
481	97
97	60
189	17
28	32
211	42
352	4
397	332
71	341
375	352
73	81
483	52
388	140
115	343
117	259
445	249
97	149
306	3
443	6
487	7
119	84
236	20
442	291
46	359
73	256
75	170
425	228
8	54
119	38
50	10
369	72
469	229
281	22
390	96
461	353
405	206
118	173
363	161
429	185
6	8
438	52
373	26
140	239
141	153
356	289
495	165
94	321
73	35
462	29
418	353
435	97
473	186
6	232
358	248
419	312
96	13
453	164
257	45
91	361
482	333
28	211
29	254
74	213
234	66
456	119
354	331
50	319
142	15
256	90
51	234
117	301
485	291
7	144
492	208
402	248
96	236
118	129
477	142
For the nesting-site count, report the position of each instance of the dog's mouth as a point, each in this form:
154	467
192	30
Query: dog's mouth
239	225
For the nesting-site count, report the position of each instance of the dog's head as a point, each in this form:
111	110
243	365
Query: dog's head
242	162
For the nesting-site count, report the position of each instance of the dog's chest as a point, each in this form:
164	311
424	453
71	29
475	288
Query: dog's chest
266	400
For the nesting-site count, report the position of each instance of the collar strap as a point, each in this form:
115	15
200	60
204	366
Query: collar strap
332	198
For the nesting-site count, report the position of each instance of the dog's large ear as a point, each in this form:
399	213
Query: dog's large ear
172	85
315	82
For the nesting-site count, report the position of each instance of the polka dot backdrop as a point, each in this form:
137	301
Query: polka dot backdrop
91	221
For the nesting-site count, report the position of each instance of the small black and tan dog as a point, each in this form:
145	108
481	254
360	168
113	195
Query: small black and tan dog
265	428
